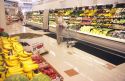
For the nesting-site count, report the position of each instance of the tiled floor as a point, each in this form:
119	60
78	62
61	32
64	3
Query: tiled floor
87	66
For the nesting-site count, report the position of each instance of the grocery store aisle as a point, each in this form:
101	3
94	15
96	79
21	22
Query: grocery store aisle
87	66
18	28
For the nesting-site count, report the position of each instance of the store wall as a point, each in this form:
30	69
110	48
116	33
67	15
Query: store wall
73	3
2	15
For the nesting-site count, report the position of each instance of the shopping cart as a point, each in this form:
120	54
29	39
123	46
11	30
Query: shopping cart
68	37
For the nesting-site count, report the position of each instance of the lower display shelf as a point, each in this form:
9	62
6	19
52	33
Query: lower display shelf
103	41
105	37
110	43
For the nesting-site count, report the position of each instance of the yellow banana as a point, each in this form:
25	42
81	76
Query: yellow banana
14	53
5	51
6	43
28	61
14	39
11	62
22	54
17	47
5	40
24	59
35	66
14	69
29	54
30	74
30	67
1	63
9	74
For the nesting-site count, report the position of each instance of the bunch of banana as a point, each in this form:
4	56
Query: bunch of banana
14	70
11	61
29	65
24	54
6	43
17	47
5	51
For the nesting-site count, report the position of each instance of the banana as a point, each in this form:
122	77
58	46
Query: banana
30	67
11	62
9	74
5	51
26	62
30	74
7	46
1	58
24	59
17	47
6	43
35	66
14	39
23	54
4	40
29	54
1	63
14	53
14	69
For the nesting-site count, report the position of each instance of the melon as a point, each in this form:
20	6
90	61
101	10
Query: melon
17	77
41	77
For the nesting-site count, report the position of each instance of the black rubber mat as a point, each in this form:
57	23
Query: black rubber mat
111	56
32	27
52	35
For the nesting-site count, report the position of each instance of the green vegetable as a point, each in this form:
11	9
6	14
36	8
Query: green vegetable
17	77
41	77
4	34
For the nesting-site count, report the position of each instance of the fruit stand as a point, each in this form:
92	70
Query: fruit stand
15	61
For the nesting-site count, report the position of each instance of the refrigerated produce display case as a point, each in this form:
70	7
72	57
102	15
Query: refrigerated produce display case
102	25
35	18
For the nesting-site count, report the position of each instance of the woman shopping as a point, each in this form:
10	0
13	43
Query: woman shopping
61	25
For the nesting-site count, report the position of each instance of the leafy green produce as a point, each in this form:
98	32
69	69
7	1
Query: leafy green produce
41	77
4	34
